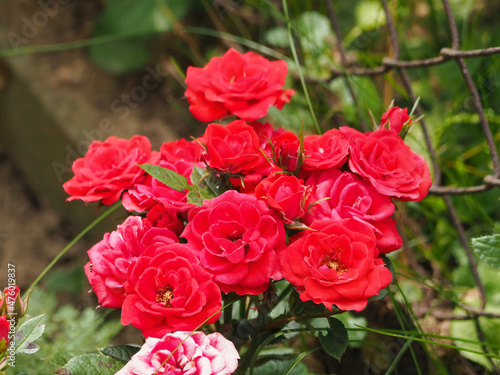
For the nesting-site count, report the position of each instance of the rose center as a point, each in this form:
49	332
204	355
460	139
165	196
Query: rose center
334	264
164	295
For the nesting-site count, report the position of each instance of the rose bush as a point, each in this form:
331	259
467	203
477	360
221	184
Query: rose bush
244	85
252	205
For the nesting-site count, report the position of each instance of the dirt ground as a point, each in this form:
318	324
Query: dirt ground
32	233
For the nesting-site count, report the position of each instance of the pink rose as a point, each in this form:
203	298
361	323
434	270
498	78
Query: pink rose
233	148
111	258
108	169
325	151
336	264
245	85
237	239
342	195
390	165
184	353
286	194
396	117
167	290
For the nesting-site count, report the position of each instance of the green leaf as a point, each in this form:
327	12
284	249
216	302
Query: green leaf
92	364
28	332
297	225
210	180
370	15
197	175
205	186
466	329
315	28
168	177
298	360
336	340
277	37
122	353
194	197
488	248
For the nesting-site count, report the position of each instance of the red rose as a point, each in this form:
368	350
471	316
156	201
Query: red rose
237	239
150	192
286	194
181	149
167	290
184	353
350	196
325	151
286	148
266	133
233	148
336	264
396	117
390	165
111	258
108	169
162	217
243	85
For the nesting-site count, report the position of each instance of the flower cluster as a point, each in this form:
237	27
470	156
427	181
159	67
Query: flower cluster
239	207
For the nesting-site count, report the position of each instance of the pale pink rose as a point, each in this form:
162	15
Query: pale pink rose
197	355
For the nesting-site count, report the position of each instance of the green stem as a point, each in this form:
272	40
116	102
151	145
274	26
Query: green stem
297	63
70	245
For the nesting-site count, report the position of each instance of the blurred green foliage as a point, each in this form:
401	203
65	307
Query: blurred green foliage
69	332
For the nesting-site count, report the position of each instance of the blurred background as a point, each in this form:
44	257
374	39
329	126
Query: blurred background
75	71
